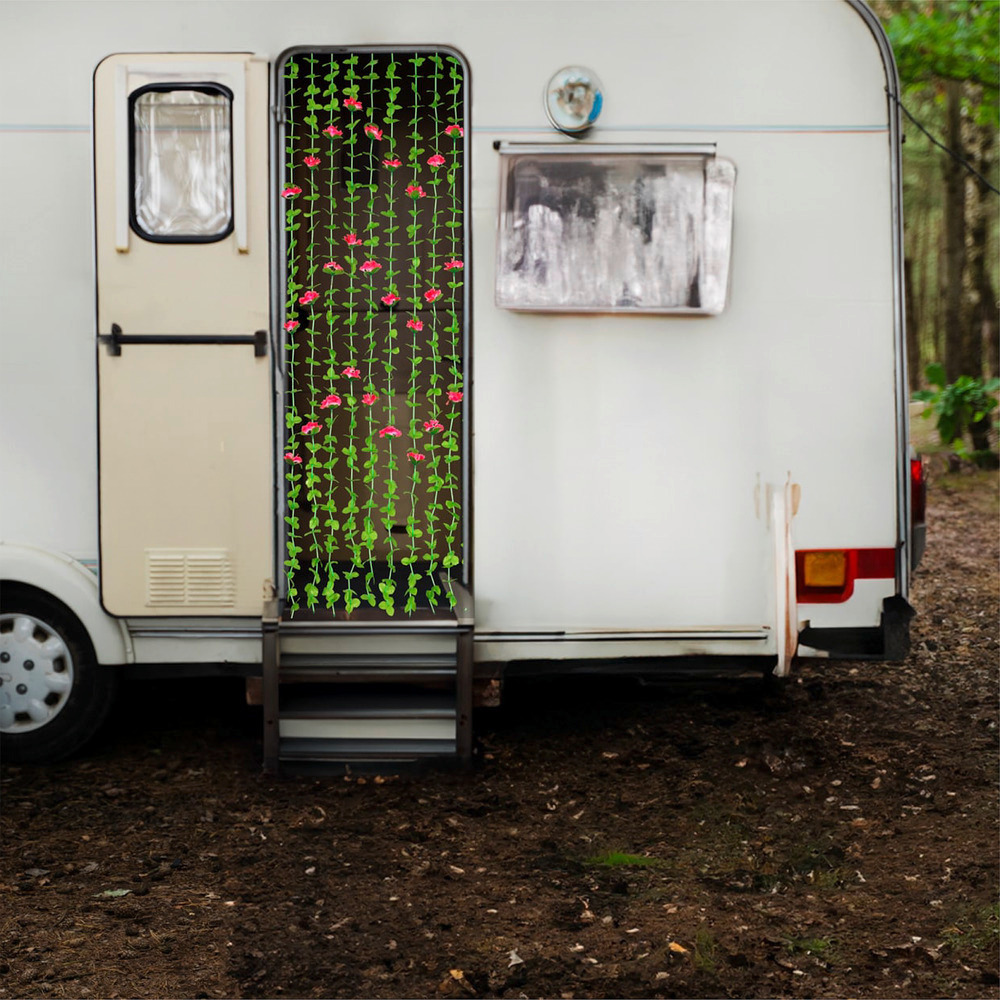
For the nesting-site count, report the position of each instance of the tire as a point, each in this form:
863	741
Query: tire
54	696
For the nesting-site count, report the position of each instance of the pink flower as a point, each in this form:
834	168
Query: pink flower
432	294
390	431
332	400
453	265
437	160
390	300
454	130
352	240
353	103
352	372
433	425
416	191
332	265
308	297
311	161
369	265
373	131
311	427
414	324
415	455
290	456
369	397
393	163
332	131
455	397
291	192
292	324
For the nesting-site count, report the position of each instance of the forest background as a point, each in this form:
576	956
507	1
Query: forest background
948	54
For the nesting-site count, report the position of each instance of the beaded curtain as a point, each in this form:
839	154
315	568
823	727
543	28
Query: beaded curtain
373	206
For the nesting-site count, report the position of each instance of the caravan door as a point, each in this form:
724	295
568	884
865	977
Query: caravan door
185	427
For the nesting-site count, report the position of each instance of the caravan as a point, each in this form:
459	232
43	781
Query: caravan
376	352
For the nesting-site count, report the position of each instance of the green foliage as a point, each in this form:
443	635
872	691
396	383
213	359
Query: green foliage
808	946
957	405
951	40
705	950
975	932
621	859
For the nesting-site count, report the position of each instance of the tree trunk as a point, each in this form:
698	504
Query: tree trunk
982	215
953	263
982	302
915	374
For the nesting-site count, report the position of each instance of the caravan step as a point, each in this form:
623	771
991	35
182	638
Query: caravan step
417	715
360	752
414	668
339	693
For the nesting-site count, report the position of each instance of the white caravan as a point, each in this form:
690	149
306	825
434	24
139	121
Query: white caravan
375	352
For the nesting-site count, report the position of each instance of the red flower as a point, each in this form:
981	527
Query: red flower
291	325
332	400
308	297
352	240
311	427
414	324
433	425
390	300
393	163
352	372
455	397
353	103
454	130
453	265
332	131
291	192
332	265
432	294
311	161
373	131
390	431
369	397
415	455
369	265
290	456
437	160
416	191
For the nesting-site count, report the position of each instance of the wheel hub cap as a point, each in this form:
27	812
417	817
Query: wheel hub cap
36	673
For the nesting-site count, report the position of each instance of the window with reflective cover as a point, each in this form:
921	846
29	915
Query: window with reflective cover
588	231
182	156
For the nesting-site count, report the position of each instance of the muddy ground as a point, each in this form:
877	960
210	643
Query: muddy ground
615	841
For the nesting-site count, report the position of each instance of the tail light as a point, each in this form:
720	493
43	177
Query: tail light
918	492
826	576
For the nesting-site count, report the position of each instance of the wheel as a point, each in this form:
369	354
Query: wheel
53	694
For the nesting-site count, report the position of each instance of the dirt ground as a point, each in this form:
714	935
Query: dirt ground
688	840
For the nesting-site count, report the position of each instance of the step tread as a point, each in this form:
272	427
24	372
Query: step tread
365	705
347	675
383	750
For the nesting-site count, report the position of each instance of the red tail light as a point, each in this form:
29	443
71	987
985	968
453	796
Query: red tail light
826	576
918	492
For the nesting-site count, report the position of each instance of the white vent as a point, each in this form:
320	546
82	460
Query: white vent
189	578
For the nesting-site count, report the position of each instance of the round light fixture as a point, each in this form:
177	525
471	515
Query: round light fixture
574	98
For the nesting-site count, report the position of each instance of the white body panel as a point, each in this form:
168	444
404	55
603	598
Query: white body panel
624	465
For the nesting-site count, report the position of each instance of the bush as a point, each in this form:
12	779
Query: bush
961	407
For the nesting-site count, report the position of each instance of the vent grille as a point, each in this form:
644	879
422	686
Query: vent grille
189	578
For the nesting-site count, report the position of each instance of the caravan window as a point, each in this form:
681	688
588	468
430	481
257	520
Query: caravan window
182	153
609	230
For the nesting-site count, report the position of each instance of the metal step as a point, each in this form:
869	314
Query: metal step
380	693
361	668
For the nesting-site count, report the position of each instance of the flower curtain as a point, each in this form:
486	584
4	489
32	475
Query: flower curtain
373	199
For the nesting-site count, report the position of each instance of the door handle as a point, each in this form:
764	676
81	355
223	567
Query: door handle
115	340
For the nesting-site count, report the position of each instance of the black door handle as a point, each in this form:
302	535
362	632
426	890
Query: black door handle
115	340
